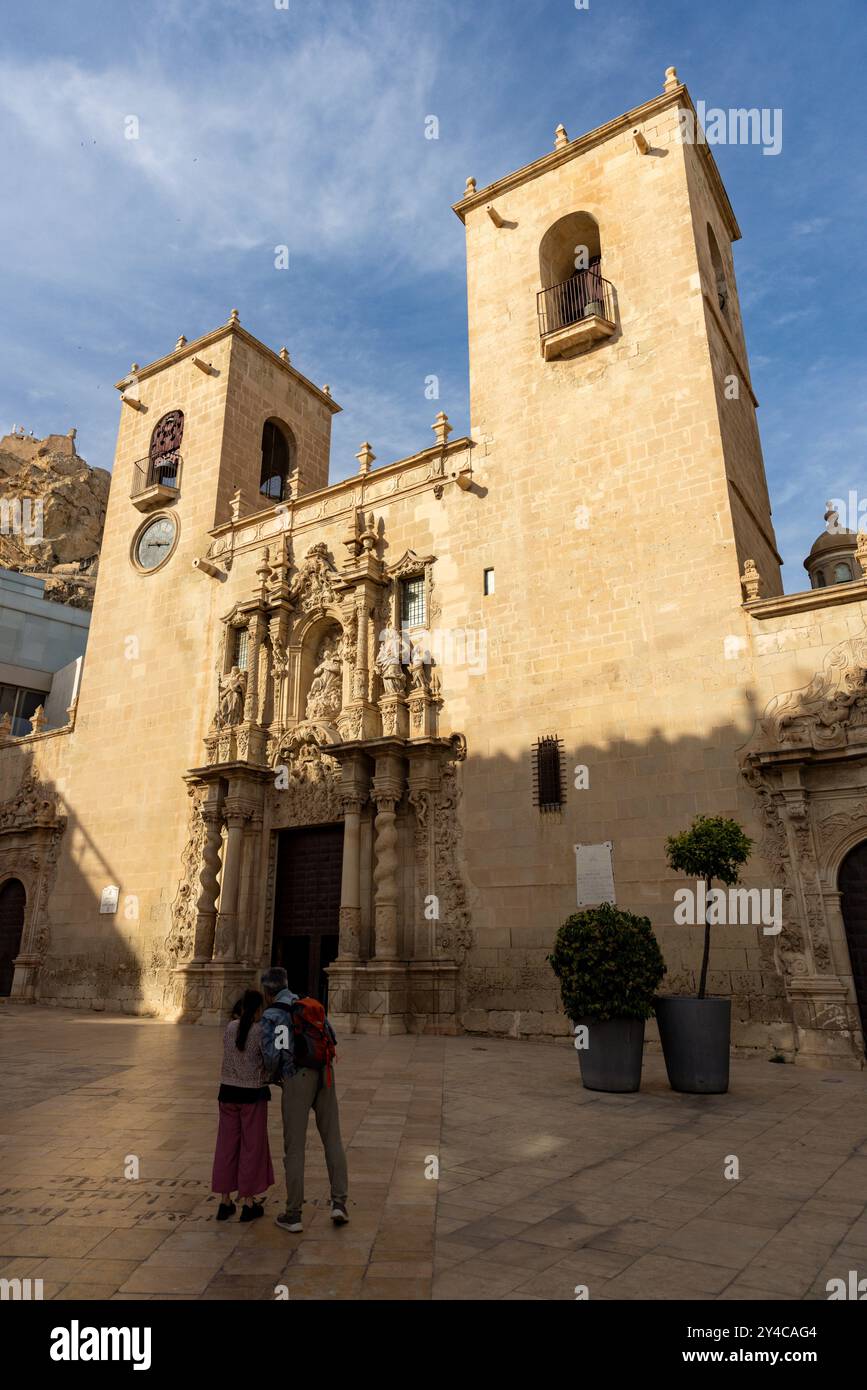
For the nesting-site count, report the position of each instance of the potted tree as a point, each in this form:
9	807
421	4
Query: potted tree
609	966
696	1032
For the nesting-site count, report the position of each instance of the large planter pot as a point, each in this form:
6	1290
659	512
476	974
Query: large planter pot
612	1059
695	1036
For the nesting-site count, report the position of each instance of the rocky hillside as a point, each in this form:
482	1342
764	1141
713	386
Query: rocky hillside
52	511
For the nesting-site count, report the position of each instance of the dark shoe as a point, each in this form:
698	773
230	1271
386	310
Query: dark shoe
339	1214
252	1211
290	1221
225	1210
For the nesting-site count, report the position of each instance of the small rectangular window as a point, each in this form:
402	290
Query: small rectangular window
412	602
240	659
490	582
549	787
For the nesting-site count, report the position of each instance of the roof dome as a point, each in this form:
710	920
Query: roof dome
834	538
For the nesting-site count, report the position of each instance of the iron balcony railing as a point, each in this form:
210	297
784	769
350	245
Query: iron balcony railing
579	297
165	470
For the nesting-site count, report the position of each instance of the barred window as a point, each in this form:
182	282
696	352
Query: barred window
240	655
549	786
412	602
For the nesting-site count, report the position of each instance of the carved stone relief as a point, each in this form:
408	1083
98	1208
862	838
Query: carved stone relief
306	788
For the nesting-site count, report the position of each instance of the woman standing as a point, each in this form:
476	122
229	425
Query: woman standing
242	1162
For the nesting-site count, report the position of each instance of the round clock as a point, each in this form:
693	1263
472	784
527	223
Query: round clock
155	543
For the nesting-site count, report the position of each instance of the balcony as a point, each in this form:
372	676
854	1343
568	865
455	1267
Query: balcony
575	314
156	481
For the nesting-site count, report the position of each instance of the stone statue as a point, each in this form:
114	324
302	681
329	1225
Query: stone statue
233	689
388	662
325	696
418	670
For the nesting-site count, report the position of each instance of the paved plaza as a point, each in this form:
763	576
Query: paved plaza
542	1186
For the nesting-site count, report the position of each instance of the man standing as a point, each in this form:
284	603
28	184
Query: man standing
308	1083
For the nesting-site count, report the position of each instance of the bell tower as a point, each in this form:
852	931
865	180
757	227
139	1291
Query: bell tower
606	343
218	427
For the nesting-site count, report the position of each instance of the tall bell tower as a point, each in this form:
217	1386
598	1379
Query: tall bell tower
606	343
219	427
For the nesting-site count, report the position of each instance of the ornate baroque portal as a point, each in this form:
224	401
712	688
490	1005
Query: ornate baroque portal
807	765
30	833
328	709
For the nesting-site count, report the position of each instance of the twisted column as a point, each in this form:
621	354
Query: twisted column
206	903
385	876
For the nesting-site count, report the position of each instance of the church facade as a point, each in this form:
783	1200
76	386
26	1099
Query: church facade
360	728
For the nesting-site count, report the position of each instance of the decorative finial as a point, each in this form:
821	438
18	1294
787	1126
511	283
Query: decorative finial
37	720
233	317
751	580
861	553
263	569
470	188
442	429
284	355
134	367
671	80
326	389
560	137
368	535
365	458
182	342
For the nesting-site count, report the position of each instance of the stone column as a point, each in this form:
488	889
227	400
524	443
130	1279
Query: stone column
227	922
206	904
361	677
387	791
350	887
254	643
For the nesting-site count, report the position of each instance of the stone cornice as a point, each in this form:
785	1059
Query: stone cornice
216	334
679	96
811	600
285	511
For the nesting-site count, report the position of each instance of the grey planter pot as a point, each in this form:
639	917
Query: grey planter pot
696	1039
612	1059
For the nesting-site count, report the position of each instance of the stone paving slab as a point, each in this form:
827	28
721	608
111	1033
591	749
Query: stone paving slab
543	1187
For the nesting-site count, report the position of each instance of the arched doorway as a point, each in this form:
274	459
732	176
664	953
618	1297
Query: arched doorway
12	902
852	883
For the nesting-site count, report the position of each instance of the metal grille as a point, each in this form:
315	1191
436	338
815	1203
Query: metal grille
165	470
241	649
577	298
549	783
412	602
167	435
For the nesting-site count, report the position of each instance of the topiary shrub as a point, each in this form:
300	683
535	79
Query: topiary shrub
713	847
608	963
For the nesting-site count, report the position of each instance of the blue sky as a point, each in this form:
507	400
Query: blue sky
304	127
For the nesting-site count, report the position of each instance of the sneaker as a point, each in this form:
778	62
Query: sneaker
290	1221
339	1214
252	1211
225	1210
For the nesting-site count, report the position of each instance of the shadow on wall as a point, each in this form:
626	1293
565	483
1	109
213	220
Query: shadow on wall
506	874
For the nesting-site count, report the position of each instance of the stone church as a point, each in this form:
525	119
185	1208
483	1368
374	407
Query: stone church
360	728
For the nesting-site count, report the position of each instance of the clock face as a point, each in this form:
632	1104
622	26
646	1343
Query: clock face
155	542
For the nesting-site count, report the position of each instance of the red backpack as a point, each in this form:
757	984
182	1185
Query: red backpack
315	1043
